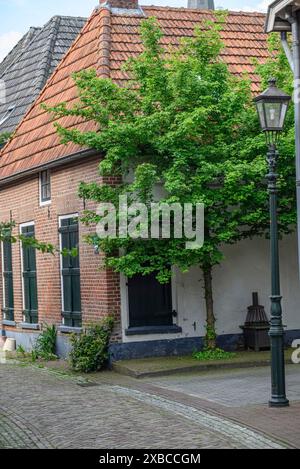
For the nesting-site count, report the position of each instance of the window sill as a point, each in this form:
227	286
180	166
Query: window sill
6	322
147	330
28	326
69	330
45	204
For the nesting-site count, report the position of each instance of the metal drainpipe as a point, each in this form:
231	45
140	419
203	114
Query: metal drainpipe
296	69
294	61
287	50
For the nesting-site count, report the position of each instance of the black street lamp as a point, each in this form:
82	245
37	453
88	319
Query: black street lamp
272	106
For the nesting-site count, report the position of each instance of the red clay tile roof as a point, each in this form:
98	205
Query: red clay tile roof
105	43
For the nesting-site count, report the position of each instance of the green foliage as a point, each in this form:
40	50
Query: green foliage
4	137
45	346
184	120
213	354
90	348
210	336
6	230
21	351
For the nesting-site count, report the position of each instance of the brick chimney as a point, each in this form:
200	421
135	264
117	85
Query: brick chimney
201	4
126	4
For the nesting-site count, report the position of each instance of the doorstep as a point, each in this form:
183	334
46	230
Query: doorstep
165	366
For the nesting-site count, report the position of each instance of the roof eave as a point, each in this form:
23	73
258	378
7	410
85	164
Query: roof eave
51	164
278	15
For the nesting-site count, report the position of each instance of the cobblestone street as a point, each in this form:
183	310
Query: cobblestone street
45	409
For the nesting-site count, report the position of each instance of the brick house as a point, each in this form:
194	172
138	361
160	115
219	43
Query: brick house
38	190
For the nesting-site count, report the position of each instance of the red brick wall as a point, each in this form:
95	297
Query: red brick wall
100	289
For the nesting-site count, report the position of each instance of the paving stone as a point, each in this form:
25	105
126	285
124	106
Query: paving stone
45	409
41	409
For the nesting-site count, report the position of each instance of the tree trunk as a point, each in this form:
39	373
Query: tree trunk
211	337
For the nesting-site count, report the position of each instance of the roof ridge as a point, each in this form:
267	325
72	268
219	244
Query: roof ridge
35	31
50	80
55	24
104	49
200	10
69	17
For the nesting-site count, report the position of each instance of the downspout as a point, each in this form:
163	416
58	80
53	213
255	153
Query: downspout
287	49
293	58
3	334
295	22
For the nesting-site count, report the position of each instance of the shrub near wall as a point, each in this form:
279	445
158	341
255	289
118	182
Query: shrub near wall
90	348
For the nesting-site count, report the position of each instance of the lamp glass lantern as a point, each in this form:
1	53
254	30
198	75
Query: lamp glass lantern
272	106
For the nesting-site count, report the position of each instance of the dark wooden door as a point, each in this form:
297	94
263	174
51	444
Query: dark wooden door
150	303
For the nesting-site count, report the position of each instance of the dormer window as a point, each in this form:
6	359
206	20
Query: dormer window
45	187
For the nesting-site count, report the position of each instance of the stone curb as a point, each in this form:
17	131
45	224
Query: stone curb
122	369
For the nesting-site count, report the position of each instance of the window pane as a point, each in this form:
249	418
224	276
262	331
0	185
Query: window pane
261	114
273	111
45	186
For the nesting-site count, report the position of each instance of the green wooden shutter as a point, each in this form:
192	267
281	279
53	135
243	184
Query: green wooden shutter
70	273
8	303
29	278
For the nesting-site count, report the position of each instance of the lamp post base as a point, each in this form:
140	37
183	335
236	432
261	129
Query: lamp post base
279	402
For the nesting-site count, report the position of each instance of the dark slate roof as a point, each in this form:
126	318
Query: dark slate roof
18	49
28	66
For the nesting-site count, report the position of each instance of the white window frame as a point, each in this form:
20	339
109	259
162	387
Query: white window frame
60	218
23	225
46	202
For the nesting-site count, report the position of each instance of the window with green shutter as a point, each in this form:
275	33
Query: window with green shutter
29	277
70	272
8	290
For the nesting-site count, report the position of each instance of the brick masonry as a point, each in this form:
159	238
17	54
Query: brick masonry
100	288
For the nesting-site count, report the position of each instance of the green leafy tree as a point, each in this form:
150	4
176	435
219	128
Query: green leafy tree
4	137
185	122
6	234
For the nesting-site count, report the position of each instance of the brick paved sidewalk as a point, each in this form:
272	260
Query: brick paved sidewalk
39	408
240	395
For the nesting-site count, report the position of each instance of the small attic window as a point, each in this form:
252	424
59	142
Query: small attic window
45	187
7	114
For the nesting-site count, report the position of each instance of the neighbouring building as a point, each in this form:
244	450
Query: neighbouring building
39	178
25	70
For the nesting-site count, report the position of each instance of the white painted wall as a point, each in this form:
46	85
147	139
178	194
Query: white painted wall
245	270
